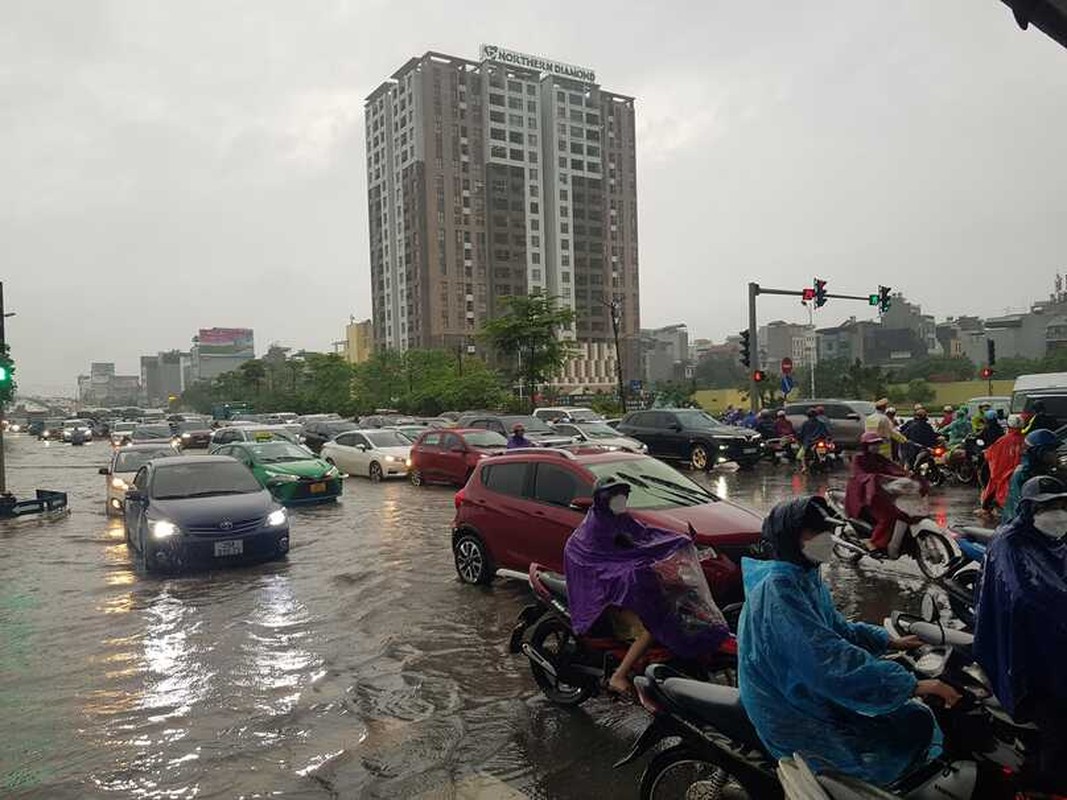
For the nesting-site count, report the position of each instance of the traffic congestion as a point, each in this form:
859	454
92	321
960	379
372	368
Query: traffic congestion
421	606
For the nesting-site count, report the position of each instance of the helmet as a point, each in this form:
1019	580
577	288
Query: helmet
1015	421
820	410
1043	488
991	415
890	411
871	438
765	412
781	412
947	409
1041	439
918	407
921	413
813	412
611	485
881	403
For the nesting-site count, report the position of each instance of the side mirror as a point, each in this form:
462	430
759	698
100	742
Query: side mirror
929	610
458	448
134	495
676	427
104	471
853	416
361	448
582	504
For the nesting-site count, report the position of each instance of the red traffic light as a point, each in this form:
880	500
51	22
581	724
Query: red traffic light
986	373
759	376
807	295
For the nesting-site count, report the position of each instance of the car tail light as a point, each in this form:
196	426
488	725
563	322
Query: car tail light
821	447
939	452
459	498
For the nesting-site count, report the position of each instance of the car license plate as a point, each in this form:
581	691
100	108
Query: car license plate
318	488
749	451
231	547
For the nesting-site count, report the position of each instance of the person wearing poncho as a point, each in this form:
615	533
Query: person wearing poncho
649	581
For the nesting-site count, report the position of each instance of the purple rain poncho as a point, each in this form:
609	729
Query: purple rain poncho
615	560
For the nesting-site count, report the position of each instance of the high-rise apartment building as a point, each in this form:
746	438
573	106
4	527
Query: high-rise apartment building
504	176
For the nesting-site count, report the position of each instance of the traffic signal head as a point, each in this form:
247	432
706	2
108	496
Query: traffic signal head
759	376
820	293
986	373
884	300
874	300
746	349
807	295
5	374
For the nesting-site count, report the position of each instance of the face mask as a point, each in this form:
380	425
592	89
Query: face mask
1052	523
617	504
820	549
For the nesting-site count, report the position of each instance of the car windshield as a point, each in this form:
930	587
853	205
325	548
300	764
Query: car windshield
862	407
151	432
202	479
653	485
598	430
485	439
276	452
693	418
585	415
192	425
75	423
532	424
123	426
268	435
387	439
133	460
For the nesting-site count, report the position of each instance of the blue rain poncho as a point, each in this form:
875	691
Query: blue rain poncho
1020	631
811	681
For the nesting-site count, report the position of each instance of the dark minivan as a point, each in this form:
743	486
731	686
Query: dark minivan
689	434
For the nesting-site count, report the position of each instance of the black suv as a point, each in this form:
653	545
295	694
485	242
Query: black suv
537	431
689	434
317	432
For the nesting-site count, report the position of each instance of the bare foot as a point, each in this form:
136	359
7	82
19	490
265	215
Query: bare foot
620	685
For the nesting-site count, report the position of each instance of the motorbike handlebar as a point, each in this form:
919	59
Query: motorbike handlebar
935	634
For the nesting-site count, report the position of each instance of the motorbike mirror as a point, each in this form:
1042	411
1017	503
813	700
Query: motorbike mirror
929	610
582	504
104	471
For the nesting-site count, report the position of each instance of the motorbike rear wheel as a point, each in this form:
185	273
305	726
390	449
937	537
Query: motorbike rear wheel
933	552
964	472
553	639
682	772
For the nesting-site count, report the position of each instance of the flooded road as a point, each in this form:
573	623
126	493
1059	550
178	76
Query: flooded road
359	667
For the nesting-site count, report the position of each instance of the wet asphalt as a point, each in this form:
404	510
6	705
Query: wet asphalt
358	667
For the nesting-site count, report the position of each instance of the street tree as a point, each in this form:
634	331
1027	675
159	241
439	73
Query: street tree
527	335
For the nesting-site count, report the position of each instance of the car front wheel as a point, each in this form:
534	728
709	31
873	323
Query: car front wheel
375	472
415	476
698	457
472	560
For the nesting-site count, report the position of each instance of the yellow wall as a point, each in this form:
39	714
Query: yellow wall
359	341
716	400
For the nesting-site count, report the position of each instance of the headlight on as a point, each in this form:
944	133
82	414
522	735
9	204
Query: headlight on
276	518
161	529
282	477
119	483
185	435
332	472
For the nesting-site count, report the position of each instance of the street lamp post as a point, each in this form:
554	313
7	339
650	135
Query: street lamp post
615	307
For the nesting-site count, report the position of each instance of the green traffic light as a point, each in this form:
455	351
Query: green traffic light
873	300
4	374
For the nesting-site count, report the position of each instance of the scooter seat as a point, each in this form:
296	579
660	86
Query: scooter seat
976	534
555	583
863	529
719	706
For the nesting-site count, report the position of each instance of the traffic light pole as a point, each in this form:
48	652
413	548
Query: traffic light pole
754	291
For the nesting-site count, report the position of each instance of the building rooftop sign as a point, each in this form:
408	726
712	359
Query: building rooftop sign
491	52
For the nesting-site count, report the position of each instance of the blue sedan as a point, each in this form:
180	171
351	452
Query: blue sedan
196	509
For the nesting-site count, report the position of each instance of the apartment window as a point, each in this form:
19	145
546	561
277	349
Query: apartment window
531	122
564	227
498	133
515	137
561	97
535	208
496	99
533	156
514	86
593	151
577	148
563	162
516	155
576	163
564	244
531	106
532	139
515	102
577	132
563	194
562	145
536	274
515	119
535	258
576	99
534	190
576	116
531	90
535	241
565	276
497	116
532	172
496	151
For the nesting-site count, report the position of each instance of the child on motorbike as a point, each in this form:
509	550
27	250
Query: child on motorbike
1020	635
814	683
648	580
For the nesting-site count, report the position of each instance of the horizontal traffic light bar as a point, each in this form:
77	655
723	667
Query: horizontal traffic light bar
809	294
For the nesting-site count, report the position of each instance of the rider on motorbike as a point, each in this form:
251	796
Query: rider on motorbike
920	434
1039	457
868	498
1020	636
1002	457
811	681
812	431
782	426
648	579
991	430
880	424
765	426
960	427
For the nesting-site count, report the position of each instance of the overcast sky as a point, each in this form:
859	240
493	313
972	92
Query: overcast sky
166	166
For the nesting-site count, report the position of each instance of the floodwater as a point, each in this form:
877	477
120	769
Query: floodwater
359	667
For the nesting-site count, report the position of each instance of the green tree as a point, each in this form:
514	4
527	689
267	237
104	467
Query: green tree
719	372
938	369
253	373
916	391
527	335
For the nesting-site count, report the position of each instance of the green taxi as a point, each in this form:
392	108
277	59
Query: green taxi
290	472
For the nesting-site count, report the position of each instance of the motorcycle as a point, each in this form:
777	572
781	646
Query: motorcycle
719	754
927	461
929	545
781	450
961	582
966	461
570	669
822	455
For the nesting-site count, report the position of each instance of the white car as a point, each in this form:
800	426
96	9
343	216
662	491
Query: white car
600	434
125	461
375	453
120	432
567	414
81	425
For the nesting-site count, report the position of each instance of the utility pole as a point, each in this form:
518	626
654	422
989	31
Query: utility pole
753	337
616	319
3	351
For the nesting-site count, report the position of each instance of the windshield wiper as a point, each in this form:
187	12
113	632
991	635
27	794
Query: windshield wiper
204	494
678	487
665	491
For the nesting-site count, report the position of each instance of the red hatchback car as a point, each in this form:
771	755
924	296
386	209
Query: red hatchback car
449	456
520	508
